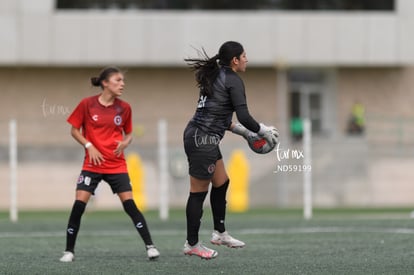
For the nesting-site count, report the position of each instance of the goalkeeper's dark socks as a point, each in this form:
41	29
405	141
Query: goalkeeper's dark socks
194	212
74	224
218	206
138	220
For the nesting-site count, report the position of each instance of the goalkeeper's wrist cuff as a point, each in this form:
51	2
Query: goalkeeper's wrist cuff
263	129
238	129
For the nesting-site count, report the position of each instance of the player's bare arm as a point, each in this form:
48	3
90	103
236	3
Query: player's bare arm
123	144
94	155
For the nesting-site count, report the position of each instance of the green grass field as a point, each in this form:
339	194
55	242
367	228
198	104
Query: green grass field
353	241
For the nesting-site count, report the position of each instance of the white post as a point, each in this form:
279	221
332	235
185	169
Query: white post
13	169
307	169
282	99
163	169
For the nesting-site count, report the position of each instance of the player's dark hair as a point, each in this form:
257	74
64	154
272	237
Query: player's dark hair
229	50
105	74
207	69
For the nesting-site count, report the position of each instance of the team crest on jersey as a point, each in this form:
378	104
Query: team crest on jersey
117	120
211	168
80	179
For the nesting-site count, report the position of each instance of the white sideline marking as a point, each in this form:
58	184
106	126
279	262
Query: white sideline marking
252	231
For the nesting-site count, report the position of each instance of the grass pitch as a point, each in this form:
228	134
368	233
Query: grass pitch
356	241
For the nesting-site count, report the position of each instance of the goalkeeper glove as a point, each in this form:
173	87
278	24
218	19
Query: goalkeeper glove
240	130
269	133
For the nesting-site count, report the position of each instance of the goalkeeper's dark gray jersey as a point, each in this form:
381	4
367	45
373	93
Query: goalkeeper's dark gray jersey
214	113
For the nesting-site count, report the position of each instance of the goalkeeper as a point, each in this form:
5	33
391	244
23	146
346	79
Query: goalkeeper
221	93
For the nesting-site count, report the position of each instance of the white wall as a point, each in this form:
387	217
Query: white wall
33	33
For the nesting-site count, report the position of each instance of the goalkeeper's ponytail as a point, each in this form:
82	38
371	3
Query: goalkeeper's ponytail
207	69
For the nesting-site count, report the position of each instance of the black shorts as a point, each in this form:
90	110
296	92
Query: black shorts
88	181
202	152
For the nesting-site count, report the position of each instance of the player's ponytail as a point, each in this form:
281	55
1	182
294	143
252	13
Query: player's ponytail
207	69
95	81
104	75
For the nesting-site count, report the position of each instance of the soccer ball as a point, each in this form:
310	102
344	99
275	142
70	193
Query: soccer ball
259	145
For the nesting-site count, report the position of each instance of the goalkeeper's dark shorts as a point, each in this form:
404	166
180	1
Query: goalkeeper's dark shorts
202	152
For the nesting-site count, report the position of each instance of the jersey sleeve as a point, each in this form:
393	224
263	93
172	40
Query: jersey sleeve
236	89
244	117
76	118
238	98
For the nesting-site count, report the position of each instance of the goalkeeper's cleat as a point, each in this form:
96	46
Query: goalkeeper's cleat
224	238
67	257
199	250
152	252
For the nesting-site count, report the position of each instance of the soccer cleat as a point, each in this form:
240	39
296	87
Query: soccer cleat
67	257
224	238
199	250
152	252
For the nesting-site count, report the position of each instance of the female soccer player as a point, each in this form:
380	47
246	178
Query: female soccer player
221	93
102	124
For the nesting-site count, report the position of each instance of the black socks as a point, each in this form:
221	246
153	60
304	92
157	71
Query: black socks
79	208
74	224
218	206
138	220
194	212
